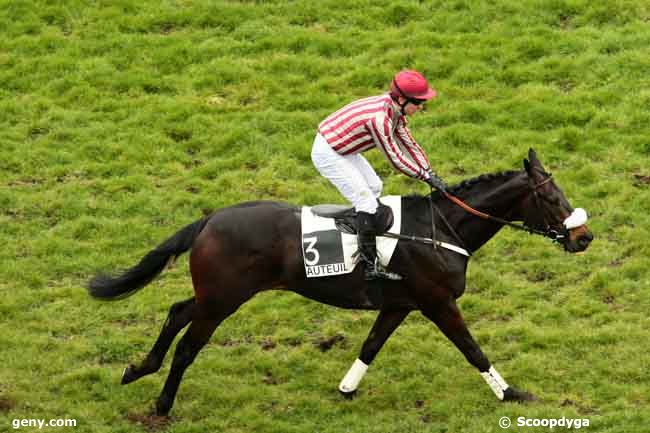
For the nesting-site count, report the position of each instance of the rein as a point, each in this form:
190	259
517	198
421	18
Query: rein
554	235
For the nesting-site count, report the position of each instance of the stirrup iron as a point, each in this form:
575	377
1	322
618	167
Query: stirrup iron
376	271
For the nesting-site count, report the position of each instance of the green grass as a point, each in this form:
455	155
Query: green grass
122	121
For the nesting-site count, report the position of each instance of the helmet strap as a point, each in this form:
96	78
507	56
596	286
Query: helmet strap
402	106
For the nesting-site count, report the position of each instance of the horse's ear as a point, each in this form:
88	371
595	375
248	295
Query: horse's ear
532	156
527	166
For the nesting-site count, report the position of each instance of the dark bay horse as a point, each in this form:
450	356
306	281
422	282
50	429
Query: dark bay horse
242	250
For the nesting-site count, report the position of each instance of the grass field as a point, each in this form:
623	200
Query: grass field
122	121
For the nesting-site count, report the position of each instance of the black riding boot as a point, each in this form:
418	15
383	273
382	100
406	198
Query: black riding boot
367	233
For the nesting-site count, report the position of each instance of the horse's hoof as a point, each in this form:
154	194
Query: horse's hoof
128	375
162	412
163	405
512	394
348	395
151	422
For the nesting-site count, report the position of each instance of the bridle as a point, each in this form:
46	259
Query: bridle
555	235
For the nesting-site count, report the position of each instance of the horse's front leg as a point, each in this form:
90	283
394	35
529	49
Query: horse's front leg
448	318
386	323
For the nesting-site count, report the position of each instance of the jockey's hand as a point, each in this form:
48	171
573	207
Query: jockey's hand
435	182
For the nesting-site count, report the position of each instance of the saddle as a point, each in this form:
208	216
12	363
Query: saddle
345	217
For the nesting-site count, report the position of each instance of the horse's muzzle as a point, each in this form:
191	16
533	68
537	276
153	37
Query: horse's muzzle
578	240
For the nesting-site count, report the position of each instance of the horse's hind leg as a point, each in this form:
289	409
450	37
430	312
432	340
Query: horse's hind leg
188	347
180	315
386	323
207	317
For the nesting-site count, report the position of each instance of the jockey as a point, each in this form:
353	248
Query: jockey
374	122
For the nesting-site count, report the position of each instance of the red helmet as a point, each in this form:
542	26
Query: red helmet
411	85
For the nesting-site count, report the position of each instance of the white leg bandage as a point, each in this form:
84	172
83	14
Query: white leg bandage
496	382
351	380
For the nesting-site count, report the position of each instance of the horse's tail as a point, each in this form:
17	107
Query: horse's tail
112	287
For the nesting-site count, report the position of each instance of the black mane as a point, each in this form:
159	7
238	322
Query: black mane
470	183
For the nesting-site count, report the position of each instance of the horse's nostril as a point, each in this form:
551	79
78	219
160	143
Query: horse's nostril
584	241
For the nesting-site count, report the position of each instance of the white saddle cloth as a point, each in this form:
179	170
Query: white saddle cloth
327	251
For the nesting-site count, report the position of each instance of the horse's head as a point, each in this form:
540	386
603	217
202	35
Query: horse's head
550	211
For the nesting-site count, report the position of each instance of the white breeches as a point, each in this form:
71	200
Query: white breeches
351	174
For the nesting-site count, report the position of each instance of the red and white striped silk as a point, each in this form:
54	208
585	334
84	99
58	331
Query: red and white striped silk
375	122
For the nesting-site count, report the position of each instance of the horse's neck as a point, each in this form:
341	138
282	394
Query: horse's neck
501	200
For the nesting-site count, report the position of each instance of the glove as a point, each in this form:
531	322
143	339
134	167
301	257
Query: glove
435	182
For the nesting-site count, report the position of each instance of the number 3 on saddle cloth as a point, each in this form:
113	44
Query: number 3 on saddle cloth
329	240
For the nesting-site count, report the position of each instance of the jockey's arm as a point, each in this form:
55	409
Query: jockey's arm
381	127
